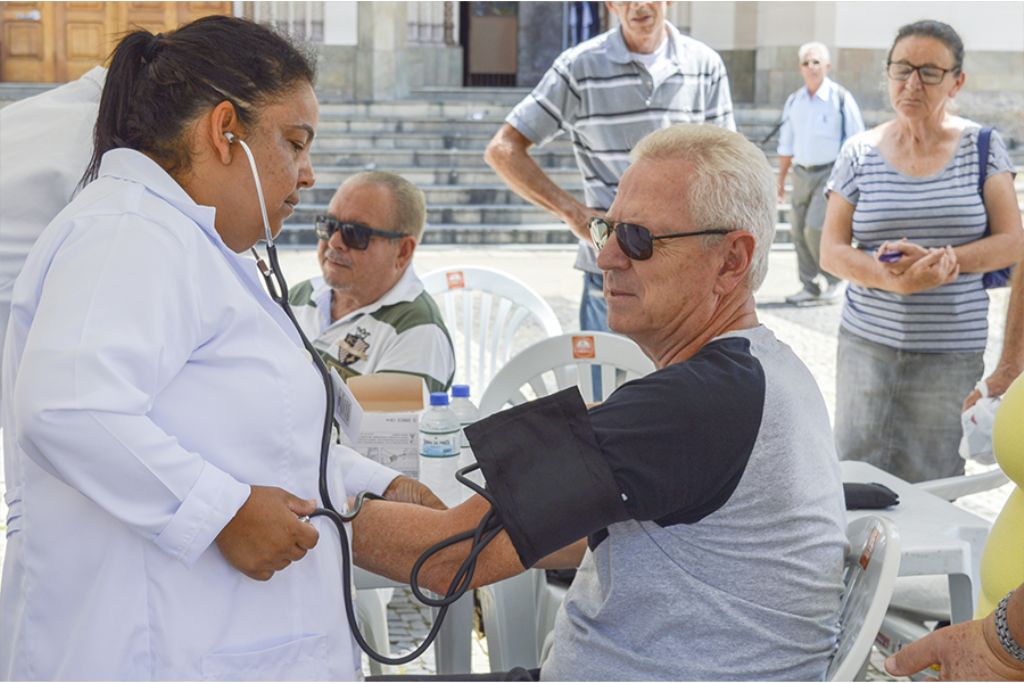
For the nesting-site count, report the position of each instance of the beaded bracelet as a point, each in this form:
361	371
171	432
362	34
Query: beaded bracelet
1003	631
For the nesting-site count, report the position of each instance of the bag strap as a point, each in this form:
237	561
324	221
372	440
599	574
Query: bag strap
984	136
842	114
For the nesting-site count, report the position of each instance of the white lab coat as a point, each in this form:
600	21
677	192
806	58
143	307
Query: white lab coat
45	146
148	380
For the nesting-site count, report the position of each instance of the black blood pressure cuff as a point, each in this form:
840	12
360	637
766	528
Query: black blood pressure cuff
550	482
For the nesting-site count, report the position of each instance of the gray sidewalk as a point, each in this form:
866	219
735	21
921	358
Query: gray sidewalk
811	332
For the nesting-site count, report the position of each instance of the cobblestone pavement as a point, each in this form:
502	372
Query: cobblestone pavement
810	331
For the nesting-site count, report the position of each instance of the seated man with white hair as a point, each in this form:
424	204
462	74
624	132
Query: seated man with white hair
704	499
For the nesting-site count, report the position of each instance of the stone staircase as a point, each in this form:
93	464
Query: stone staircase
436	139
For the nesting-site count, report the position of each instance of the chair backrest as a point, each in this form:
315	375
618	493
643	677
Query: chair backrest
872	563
564	361
490	316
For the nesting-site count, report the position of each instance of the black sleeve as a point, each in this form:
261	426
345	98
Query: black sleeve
678	440
670	447
549	482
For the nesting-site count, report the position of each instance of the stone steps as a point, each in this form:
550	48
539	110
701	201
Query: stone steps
458	194
486	213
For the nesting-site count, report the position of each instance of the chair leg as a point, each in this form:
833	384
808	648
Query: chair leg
372	610
509	610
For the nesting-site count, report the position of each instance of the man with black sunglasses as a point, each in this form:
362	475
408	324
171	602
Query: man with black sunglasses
368	312
703	502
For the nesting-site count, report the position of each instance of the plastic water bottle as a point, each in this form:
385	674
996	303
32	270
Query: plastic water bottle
467	413
440	443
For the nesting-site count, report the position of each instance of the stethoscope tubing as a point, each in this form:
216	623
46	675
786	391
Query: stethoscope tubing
485	532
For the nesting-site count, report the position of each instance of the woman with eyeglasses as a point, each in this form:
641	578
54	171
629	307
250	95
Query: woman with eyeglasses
914	229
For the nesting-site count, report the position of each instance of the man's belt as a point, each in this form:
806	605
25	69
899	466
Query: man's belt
815	169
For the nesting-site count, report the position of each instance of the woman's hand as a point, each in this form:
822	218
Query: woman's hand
936	268
910	254
266	534
965	652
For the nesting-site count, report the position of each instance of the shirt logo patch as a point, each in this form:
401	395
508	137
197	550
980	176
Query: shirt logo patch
583	347
354	347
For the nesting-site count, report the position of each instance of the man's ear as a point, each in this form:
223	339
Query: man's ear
406	248
739	256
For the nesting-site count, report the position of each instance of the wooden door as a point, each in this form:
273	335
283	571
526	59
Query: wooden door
83	37
59	41
27	42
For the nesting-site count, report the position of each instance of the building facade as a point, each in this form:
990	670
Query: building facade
373	51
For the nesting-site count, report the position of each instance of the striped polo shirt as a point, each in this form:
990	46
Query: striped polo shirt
932	211
604	98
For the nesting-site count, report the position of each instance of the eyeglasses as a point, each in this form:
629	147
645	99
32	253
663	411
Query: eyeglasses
354	235
636	241
929	75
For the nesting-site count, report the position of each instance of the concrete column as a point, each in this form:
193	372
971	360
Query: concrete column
380	60
436	22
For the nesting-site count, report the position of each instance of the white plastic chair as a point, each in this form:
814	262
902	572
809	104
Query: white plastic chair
489	315
952	488
917	600
519	612
558	363
872	563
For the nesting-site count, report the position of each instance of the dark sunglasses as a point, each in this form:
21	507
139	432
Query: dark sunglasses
354	235
636	241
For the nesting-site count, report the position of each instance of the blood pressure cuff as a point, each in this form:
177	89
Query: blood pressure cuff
550	482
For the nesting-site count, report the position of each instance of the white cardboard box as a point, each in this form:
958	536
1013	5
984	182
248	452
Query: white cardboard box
392	405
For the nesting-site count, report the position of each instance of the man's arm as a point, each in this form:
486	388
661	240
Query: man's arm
388	539
507	154
785	146
1011	361
970	651
784	163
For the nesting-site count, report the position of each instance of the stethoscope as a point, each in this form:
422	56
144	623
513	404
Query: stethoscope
488	528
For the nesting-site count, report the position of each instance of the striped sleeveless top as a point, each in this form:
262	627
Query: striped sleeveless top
932	211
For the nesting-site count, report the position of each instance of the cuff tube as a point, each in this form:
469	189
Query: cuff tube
550	482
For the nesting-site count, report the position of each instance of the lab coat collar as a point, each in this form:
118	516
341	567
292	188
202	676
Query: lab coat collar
136	167
408	287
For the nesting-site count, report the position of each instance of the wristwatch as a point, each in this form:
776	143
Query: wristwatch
1003	631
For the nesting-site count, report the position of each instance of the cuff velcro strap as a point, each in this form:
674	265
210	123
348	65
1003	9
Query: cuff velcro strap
550	482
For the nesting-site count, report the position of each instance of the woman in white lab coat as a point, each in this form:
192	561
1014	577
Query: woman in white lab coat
161	419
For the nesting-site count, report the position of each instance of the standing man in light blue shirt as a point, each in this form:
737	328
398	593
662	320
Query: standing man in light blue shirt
816	120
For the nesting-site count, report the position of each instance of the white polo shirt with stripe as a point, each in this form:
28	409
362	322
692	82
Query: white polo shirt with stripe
400	332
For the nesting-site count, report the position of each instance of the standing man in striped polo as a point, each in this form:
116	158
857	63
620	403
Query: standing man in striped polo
606	94
816	121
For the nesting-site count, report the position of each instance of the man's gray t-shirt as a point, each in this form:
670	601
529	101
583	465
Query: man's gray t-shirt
738	573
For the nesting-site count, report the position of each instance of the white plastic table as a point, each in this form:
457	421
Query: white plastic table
453	647
936	536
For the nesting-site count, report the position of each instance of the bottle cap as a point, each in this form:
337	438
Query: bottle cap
438	398
460	391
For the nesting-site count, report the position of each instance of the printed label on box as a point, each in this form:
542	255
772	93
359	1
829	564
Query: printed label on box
392	439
